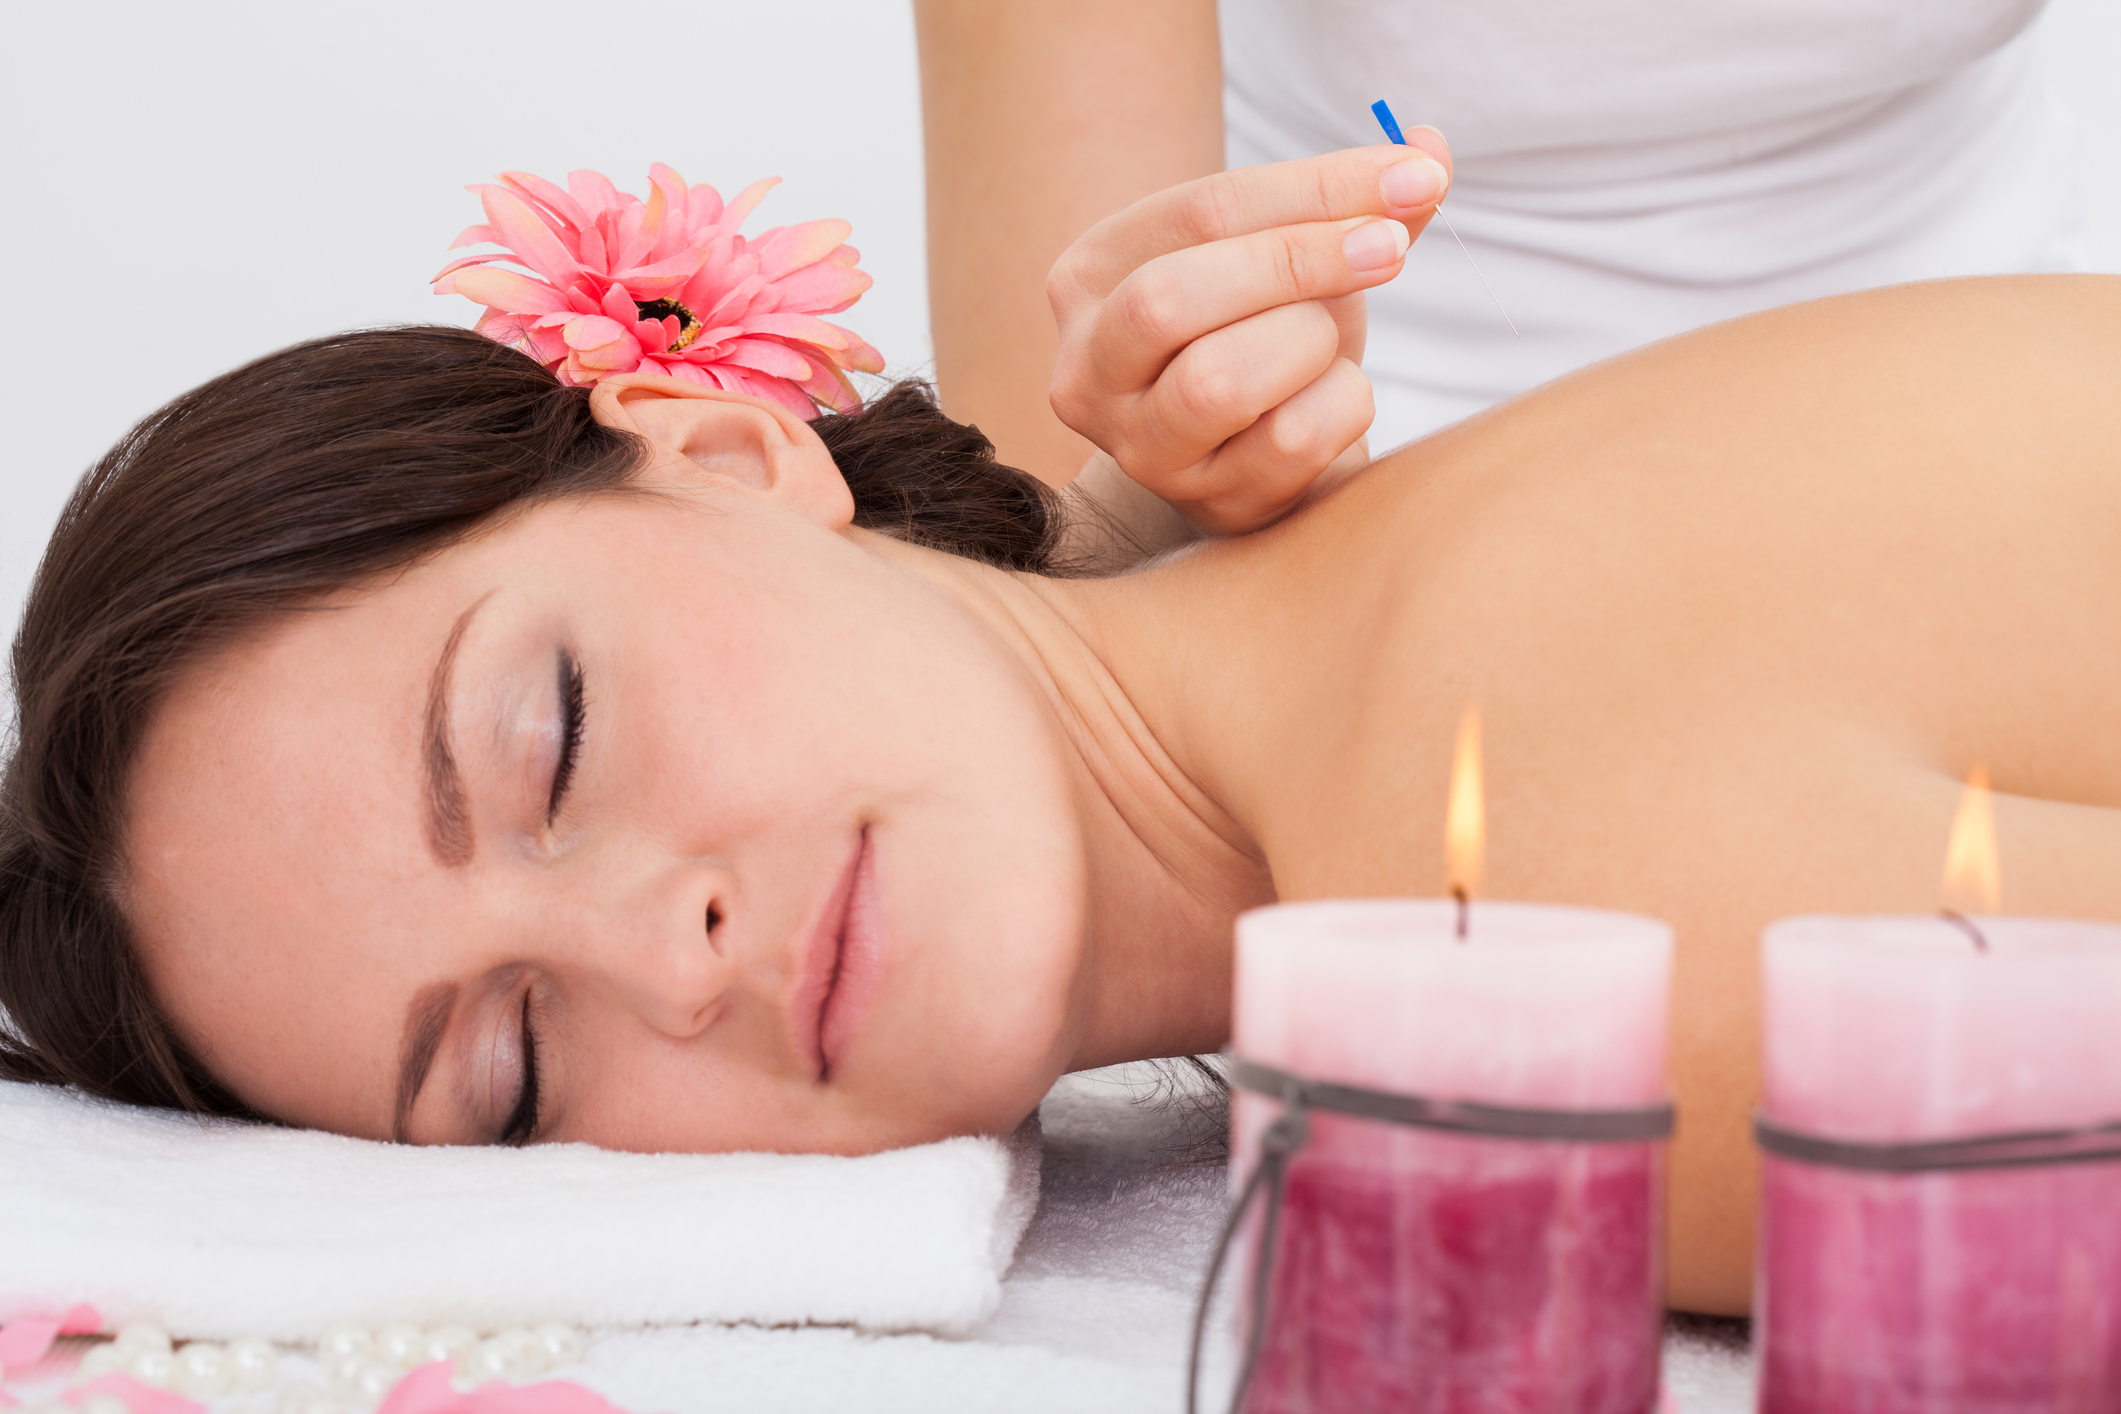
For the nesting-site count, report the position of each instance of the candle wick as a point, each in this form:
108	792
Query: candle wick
1465	909
1966	925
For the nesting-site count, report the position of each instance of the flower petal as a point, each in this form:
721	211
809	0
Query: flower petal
808	328
741	205
504	328
475	235
23	1343
765	356
595	191
787	248
705	207
525	233
594	331
677	223
823	288
504	289
663	276
562	205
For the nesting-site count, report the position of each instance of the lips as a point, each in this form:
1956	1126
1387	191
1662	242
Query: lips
841	964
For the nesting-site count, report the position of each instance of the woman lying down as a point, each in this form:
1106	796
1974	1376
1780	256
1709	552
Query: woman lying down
413	747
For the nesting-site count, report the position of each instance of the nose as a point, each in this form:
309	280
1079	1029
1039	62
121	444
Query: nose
652	939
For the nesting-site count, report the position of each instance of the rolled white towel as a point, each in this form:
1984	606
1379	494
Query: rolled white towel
218	1229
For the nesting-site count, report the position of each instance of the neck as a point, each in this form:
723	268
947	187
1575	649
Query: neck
1169	868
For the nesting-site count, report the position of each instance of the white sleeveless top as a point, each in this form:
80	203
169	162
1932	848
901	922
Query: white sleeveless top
1627	169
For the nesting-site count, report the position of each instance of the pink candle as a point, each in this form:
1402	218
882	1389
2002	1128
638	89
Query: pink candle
1421	1270
1948	1291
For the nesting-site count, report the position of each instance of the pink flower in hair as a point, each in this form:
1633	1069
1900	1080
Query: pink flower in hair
666	285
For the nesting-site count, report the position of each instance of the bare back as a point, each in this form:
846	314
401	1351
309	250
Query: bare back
1739	610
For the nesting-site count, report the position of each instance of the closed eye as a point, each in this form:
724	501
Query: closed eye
572	704
522	1123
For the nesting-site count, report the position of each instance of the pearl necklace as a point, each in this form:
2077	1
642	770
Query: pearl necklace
359	1366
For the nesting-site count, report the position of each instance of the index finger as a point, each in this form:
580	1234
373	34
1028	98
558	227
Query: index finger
1333	187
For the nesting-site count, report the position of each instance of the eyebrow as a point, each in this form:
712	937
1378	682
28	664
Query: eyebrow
425	1021
448	819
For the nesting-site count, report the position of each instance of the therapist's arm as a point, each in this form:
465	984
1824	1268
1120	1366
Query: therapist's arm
1041	118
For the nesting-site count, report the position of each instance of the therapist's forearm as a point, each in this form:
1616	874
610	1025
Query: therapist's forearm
1042	117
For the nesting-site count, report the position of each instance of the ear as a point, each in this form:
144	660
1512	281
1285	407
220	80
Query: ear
748	440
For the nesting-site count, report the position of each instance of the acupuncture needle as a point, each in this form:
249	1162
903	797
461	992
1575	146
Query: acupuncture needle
1390	124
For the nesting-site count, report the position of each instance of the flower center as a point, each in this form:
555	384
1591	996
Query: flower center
688	322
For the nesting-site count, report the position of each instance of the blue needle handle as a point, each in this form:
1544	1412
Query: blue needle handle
1385	120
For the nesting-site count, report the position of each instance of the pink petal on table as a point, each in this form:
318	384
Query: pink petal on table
518	294
23	1343
548	1397
140	1398
426	1390
787	248
475	235
523	231
741	205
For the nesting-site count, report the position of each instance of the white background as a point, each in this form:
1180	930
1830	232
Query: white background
186	186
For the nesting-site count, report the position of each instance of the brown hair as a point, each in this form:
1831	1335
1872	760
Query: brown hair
310	470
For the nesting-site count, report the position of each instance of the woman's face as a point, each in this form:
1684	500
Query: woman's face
670	822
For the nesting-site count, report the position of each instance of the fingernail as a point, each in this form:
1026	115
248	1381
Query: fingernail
1416	182
1375	244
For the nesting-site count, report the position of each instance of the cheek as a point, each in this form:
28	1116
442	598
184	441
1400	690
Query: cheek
767	717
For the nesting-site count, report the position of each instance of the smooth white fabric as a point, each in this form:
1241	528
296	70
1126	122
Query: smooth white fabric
217	1230
1628	169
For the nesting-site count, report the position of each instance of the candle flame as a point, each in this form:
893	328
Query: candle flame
1973	881
1465	827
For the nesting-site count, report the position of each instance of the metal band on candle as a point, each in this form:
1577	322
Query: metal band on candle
2094	1144
1638	1126
1278	1145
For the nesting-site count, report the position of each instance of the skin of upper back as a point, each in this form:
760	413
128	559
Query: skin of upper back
1739	612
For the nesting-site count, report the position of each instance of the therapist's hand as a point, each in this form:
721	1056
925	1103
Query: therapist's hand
1211	335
